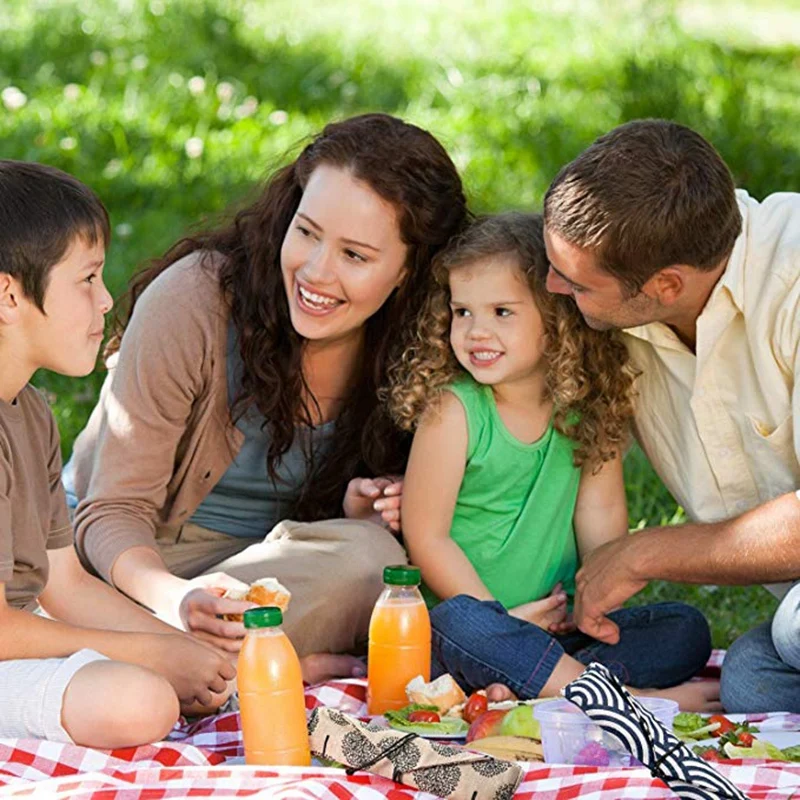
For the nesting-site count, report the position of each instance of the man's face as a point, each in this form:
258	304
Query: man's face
601	298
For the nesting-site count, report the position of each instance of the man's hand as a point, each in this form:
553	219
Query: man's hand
203	605
549	613
376	499
605	582
197	672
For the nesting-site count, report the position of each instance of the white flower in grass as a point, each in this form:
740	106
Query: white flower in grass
175	80
157	8
124	230
68	143
139	62
248	107
13	99
98	58
279	117
194	147
72	92
113	168
225	91
197	85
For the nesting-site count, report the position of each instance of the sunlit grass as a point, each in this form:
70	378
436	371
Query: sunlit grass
173	109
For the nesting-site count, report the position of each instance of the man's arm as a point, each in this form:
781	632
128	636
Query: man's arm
760	546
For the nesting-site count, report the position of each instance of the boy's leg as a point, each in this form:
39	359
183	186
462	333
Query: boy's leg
660	645
334	571
110	704
479	643
755	678
85	699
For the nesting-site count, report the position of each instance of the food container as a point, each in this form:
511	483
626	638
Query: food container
570	737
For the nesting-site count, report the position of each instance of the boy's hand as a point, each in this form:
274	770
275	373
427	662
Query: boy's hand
203	605
549	613
376	499
197	672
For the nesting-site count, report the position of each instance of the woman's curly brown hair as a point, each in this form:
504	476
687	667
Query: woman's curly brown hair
589	377
406	166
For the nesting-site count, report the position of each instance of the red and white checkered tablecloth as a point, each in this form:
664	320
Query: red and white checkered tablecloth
199	760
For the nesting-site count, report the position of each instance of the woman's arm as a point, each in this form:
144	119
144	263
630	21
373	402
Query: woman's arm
433	477
601	511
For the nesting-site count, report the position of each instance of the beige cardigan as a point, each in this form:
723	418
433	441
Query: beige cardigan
161	434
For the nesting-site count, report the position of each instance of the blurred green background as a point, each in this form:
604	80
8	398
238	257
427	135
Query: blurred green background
173	109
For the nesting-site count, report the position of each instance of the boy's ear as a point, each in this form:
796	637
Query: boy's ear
9	299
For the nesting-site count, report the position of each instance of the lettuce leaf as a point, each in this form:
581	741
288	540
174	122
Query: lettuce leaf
449	725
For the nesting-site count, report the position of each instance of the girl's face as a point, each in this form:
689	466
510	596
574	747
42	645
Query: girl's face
496	333
341	258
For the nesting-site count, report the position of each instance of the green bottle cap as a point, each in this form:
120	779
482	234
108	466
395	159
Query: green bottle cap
264	617
402	575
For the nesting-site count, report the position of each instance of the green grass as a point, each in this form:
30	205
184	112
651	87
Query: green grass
514	89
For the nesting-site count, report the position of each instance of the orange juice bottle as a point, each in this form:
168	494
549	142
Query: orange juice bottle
271	698
399	640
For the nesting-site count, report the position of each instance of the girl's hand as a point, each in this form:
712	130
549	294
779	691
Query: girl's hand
203	605
376	499
549	613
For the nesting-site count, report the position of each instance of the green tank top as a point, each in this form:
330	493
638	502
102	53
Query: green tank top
513	517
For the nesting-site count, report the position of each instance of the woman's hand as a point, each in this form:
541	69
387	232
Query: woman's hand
375	499
202	606
549	613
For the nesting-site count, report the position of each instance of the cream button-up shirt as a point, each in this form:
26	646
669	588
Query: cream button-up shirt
722	427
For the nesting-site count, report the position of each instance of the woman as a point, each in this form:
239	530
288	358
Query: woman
243	393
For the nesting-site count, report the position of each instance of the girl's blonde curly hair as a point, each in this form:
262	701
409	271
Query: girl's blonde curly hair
589	376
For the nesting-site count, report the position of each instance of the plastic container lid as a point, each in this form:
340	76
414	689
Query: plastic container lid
264	617
402	575
563	712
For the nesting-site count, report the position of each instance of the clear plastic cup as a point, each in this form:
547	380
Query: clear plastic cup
570	737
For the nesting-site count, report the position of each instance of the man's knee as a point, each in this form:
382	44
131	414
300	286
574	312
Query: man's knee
742	684
785	628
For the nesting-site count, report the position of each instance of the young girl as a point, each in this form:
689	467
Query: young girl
515	474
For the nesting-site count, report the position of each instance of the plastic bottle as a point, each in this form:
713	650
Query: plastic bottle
271	698
399	640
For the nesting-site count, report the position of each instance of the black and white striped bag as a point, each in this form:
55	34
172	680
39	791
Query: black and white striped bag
601	696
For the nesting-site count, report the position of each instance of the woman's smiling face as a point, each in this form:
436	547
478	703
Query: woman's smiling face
342	256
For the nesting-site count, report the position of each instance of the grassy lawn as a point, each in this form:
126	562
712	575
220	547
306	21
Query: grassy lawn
173	109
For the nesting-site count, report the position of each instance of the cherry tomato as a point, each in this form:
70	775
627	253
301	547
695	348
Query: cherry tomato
711	755
475	706
725	725
424	716
745	739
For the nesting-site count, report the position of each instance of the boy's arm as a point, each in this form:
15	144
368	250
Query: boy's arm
433	477
601	511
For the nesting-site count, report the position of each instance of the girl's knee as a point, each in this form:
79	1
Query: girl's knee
111	704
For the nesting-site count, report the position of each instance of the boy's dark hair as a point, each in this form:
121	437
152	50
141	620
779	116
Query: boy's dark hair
42	211
646	195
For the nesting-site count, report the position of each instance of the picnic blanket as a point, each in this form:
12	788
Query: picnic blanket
204	760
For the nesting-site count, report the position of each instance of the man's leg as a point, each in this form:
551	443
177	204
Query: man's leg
786	628
755	678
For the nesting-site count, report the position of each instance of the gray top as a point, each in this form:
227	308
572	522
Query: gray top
245	502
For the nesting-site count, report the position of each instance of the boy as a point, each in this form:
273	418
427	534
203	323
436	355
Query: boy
101	672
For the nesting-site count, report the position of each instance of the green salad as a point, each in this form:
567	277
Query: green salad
411	720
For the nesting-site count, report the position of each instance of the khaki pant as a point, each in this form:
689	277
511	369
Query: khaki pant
334	570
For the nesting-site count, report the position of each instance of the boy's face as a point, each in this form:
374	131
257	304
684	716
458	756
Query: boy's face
67	337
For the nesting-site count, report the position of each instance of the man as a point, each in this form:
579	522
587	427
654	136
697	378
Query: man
647	233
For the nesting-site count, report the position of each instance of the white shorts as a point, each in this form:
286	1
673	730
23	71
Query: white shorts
32	694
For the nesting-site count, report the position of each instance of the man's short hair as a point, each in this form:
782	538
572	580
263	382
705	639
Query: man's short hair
646	195
42	211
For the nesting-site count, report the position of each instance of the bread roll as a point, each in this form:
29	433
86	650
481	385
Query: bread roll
444	692
266	592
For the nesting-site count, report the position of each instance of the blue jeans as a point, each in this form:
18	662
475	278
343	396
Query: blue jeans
762	668
479	643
